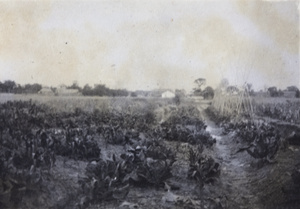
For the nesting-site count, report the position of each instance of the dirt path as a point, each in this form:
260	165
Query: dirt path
236	172
244	181
235	175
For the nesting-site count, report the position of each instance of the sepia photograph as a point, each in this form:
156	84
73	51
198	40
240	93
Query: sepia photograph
158	104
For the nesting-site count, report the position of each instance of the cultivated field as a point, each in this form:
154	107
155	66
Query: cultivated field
92	152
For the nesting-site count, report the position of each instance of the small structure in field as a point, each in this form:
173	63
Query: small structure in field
46	91
289	94
63	91
168	94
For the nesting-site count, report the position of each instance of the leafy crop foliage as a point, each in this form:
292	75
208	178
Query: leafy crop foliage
202	168
31	136
288	111
178	127
260	139
263	140
26	152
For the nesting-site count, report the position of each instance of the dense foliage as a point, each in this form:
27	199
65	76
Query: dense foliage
31	136
287	111
12	87
215	116
202	168
26	153
102	90
262	140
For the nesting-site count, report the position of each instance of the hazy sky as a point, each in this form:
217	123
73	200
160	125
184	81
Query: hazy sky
150	44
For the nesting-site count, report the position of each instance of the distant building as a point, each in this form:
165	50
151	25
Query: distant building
46	91
261	93
168	94
63	91
289	94
141	93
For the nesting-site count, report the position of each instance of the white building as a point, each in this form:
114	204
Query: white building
167	94
63	91
46	91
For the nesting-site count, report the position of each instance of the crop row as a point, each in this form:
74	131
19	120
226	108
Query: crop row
31	136
289	111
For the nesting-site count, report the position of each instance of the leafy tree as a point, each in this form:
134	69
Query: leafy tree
297	94
197	92
208	93
180	92
273	91
18	89
232	89
87	90
8	86
179	95
280	93
101	90
292	88
75	86
133	94
200	82
32	88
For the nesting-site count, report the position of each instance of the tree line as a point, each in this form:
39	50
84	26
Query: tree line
10	86
102	90
208	92
274	92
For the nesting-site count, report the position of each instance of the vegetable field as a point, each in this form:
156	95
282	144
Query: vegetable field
287	111
142	153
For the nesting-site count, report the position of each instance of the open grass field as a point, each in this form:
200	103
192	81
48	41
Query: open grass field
274	100
90	103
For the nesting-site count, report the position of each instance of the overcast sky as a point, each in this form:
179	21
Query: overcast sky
150	44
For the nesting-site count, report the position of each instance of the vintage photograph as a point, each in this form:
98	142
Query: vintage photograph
158	104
